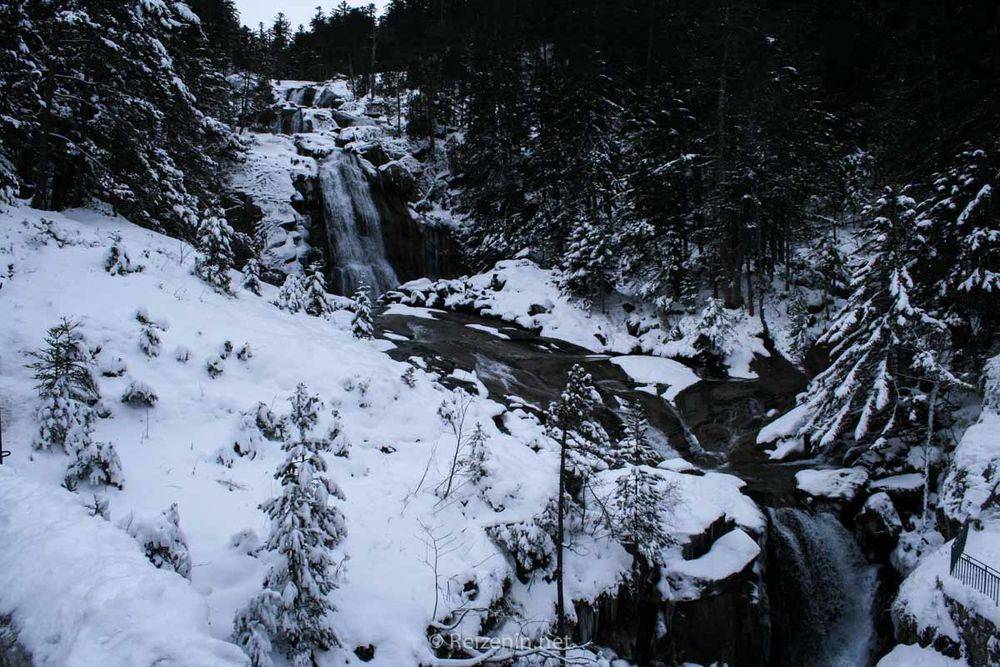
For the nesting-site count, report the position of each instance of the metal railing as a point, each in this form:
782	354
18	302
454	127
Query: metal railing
972	571
977	574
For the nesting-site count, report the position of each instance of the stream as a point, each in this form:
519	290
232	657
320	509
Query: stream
819	586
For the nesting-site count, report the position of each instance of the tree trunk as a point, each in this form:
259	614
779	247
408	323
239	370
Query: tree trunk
560	535
931	401
43	169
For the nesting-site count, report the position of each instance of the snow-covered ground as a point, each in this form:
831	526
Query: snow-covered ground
398	453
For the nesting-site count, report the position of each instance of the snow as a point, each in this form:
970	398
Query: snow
834	484
490	330
729	555
782	432
81	592
907	655
410	311
906	482
399	451
266	176
922	594
519	291
657	370
972	477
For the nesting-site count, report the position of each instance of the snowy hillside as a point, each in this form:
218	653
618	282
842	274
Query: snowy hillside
390	459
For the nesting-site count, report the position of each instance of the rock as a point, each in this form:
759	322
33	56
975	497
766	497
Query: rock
365	653
397	177
879	525
328	99
344	119
539	308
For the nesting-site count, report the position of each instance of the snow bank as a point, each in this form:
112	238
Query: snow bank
657	370
974	472
836	484
81	592
922	594
729	555
906	655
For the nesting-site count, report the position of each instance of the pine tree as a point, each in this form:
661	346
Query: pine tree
634	448
251	276
291	296
362	324
162	539
215	243
66	386
149	340
874	337
565	416
635	511
118	263
293	610
315	299
714	334
96	463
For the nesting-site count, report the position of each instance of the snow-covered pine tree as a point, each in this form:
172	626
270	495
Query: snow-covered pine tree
874	338
566	415
149	340
293	611
960	219
587	261
799	336
251	276
634	447
65	384
97	93
291	296
362	324
96	463
117	262
714	334
315	299
162	539
215	243
635	511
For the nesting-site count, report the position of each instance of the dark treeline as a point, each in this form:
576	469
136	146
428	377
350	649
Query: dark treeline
124	103
670	143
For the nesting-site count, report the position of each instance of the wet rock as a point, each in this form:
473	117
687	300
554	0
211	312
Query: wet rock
365	653
398	178
878	526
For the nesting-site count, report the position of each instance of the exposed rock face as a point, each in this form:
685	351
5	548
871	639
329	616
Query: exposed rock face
978	641
12	654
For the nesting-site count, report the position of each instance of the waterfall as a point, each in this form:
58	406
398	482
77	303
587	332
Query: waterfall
821	591
353	227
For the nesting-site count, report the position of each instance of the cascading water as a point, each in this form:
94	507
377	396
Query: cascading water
353	227
821	591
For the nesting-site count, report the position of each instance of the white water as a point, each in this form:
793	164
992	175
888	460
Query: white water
353	227
822	592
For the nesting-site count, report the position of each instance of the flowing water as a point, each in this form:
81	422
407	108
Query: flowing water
821	591
353	227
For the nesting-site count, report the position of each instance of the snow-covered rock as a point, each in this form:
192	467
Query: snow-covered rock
840	484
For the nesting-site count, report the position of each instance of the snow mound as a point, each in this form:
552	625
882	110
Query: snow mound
906	655
81	592
835	484
658	370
